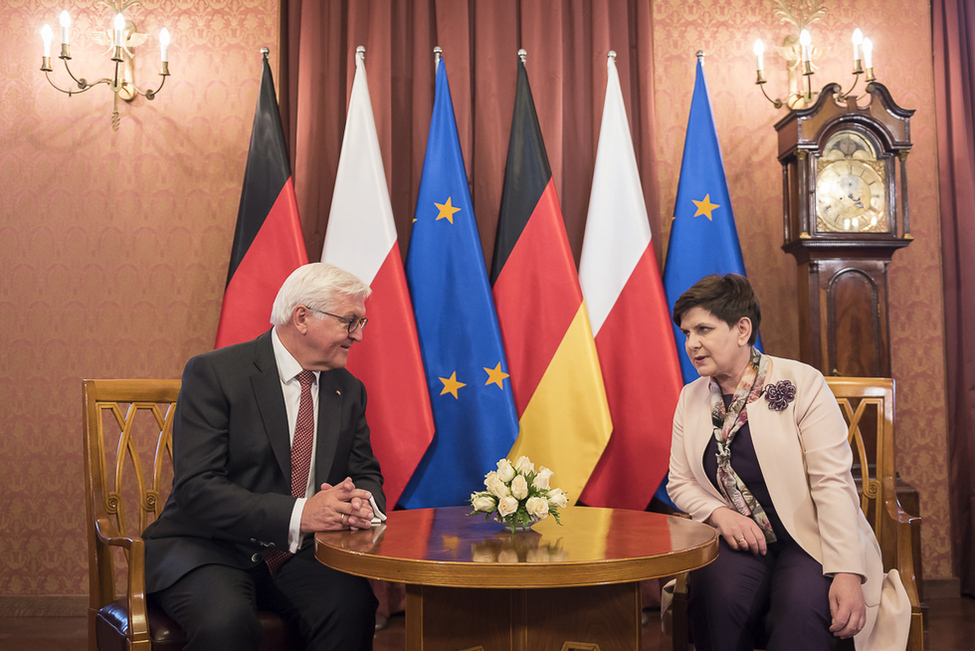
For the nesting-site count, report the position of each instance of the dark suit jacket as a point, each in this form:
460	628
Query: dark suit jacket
231	499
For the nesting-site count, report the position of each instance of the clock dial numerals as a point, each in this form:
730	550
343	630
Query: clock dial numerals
850	189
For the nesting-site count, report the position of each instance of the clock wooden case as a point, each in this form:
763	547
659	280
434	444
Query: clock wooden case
844	180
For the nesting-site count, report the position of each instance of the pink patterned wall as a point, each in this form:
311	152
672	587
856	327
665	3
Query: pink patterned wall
114	245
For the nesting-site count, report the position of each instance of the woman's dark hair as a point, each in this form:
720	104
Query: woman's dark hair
728	297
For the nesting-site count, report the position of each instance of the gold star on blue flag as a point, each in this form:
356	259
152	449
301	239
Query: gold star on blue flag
451	385
446	210
705	207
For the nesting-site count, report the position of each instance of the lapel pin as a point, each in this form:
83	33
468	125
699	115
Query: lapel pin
337	392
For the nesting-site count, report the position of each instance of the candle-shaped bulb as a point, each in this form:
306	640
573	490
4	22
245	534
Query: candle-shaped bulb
119	30
805	40
867	53
46	35
164	44
759	50
65	20
857	42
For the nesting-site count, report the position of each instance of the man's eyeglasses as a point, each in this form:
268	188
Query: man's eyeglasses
354	324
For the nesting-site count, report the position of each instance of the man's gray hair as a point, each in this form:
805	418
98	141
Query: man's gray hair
316	285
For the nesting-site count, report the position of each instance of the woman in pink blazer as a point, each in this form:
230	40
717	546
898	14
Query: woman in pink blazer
760	453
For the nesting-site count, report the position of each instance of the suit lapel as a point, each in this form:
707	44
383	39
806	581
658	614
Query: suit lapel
270	402
329	422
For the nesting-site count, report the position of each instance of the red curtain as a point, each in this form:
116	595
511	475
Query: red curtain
566	42
953	23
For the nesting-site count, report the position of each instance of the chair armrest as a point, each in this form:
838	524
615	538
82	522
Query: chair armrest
135	597
907	534
907	530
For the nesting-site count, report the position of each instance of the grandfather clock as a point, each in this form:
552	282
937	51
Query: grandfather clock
845	214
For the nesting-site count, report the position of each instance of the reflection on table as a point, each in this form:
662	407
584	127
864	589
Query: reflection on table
576	584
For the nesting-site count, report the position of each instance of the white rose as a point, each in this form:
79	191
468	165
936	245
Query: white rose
505	471
496	487
541	479
483	502
537	507
557	498
507	506
524	465
519	487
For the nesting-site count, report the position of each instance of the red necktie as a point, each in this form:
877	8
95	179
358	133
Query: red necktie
300	456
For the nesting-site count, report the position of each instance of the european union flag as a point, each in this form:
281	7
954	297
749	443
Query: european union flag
463	357
703	237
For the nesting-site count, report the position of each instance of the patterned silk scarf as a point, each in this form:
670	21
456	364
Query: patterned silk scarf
726	423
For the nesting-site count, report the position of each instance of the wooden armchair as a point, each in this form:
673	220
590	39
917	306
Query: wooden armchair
868	407
128	427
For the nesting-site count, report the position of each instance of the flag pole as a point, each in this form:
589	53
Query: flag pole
437	51
522	54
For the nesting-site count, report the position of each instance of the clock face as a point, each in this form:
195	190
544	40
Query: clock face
850	187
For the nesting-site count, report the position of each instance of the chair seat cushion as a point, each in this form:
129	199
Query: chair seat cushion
112	627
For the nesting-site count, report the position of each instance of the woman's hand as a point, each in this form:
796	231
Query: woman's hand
846	605
738	531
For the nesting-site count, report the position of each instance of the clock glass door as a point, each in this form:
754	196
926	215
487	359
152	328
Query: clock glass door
851	194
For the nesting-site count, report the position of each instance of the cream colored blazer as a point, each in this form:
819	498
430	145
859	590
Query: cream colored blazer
806	461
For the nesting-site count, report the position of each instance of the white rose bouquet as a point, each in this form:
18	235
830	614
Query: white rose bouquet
518	495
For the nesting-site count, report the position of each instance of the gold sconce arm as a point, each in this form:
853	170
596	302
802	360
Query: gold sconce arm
777	103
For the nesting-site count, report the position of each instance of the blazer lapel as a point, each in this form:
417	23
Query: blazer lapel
698	430
270	402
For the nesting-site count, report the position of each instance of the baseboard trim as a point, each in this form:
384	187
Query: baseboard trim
43	605
942	588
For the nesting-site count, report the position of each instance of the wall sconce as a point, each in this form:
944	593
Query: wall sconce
122	38
798	54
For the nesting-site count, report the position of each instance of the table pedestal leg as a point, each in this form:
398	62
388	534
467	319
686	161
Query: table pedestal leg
592	618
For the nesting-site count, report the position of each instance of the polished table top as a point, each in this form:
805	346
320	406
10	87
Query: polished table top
446	547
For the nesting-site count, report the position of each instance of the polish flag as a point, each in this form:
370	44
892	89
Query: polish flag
630	320
361	239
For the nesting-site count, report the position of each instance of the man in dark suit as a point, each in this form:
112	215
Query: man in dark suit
270	444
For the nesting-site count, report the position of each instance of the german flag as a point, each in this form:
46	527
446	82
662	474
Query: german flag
268	244
555	374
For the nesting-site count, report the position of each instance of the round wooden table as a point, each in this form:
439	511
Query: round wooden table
472	584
